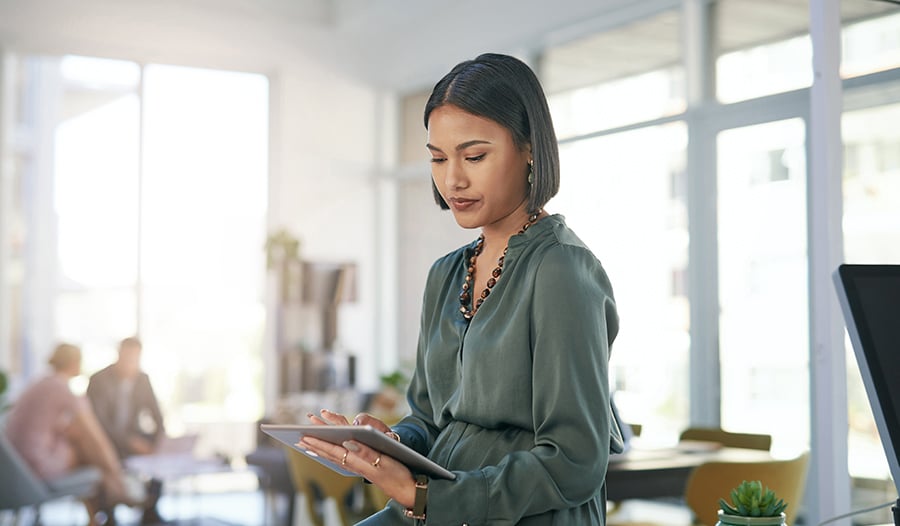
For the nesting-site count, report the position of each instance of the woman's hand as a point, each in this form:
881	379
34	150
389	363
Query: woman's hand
365	419
394	478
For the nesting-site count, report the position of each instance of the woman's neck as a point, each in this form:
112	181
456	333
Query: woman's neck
497	234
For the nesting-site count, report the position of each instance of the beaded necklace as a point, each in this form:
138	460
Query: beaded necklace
465	296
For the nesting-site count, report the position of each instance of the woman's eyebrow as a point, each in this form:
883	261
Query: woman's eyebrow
459	147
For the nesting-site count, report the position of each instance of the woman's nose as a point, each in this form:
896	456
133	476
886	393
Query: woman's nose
455	176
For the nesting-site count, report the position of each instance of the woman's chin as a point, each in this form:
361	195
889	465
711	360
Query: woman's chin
467	222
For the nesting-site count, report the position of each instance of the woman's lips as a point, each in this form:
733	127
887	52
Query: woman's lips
462	204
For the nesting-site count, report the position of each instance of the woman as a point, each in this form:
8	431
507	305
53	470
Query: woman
56	431
510	390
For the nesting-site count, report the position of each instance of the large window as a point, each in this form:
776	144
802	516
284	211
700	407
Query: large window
764	46
625	75
630	209
871	45
763	321
624	194
747	171
144	213
95	180
203	232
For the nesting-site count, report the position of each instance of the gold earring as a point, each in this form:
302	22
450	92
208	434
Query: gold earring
530	172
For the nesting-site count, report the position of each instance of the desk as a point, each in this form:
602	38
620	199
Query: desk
661	473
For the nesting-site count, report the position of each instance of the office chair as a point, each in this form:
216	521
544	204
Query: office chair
714	480
727	438
20	488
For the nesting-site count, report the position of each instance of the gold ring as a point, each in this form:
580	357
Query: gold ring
377	461
344	458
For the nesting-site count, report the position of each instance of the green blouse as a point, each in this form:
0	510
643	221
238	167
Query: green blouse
516	401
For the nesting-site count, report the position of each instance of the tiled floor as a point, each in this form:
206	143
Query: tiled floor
234	500
220	500
229	504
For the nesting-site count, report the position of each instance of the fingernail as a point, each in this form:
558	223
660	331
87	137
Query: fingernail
350	446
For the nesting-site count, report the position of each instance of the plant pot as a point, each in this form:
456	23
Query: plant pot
737	520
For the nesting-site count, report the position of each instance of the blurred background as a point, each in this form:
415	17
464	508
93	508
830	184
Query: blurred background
244	185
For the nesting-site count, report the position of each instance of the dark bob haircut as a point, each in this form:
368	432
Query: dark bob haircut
505	90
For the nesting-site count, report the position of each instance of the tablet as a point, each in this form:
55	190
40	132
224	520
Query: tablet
368	435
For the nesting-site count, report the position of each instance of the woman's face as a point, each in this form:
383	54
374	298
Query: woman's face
477	169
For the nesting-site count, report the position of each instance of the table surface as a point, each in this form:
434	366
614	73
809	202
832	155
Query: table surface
168	466
663	472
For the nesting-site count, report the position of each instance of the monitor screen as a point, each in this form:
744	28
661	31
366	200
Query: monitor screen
870	300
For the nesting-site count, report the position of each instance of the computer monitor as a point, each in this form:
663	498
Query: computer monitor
870	299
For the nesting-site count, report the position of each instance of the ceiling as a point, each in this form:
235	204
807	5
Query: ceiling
406	45
397	43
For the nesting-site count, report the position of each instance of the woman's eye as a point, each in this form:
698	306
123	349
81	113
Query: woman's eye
475	158
437	160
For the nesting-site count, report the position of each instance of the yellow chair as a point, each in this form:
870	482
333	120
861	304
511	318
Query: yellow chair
714	480
319	484
727	438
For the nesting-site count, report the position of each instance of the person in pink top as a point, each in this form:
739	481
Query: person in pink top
55	431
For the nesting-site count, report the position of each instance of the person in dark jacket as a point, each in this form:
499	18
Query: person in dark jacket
129	412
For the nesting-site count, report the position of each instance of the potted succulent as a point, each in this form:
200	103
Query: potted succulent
751	505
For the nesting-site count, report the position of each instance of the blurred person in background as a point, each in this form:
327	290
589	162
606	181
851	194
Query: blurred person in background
56	431
129	412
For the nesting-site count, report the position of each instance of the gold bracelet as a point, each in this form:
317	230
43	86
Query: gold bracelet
418	509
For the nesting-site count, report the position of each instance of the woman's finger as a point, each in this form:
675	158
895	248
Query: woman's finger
365	419
333	418
315	419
